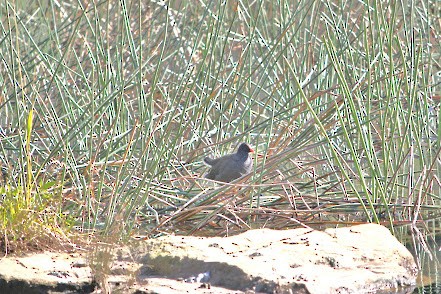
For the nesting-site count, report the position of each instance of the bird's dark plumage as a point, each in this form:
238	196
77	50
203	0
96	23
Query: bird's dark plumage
230	167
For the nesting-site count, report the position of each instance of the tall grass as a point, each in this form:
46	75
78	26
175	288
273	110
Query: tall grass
340	100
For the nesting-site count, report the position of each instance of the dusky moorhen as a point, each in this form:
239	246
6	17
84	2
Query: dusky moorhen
232	166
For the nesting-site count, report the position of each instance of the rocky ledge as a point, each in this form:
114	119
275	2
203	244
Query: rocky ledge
359	259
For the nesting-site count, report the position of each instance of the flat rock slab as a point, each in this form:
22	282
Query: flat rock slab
47	272
358	259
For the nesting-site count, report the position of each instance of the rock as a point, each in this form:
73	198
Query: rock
345	260
45	273
358	259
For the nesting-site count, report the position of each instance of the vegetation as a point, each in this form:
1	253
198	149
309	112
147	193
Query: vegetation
107	109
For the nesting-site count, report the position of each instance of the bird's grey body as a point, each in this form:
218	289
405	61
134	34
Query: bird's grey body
230	167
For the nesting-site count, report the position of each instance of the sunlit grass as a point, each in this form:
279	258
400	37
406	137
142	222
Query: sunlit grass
340	102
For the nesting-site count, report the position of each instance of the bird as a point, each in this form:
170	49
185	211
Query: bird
232	166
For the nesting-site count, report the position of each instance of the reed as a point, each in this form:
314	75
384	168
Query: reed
127	98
